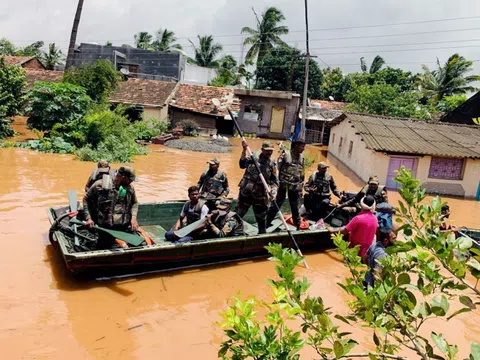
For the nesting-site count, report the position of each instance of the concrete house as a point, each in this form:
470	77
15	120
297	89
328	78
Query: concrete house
444	157
270	114
26	62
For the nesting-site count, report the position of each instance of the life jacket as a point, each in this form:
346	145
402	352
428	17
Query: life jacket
292	170
192	214
213	186
98	173
251	185
322	184
112	210
377	195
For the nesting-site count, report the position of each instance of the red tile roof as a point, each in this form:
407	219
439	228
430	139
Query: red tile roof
17	60
199	99
143	92
32	76
330	105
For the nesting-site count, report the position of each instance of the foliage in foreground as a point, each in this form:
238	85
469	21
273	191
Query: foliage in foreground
410	290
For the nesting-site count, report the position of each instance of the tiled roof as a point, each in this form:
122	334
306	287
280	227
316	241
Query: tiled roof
143	92
199	99
331	105
17	60
32	76
413	136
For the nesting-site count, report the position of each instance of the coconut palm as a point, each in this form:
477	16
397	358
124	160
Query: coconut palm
73	34
266	35
165	41
206	52
143	40
450	79
377	64
52	58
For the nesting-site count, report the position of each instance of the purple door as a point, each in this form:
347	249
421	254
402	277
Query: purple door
395	164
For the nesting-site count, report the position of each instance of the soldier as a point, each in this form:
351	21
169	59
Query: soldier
213	184
112	204
252	191
291	174
223	222
372	188
103	168
193	210
317	199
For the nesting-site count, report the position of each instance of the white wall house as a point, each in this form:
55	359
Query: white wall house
444	157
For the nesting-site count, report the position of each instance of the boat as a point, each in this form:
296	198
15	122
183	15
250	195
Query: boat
156	219
473	234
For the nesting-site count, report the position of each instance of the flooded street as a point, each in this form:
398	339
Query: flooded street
46	315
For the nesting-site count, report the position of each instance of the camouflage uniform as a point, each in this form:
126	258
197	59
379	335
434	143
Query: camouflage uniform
252	192
103	168
379	195
318	201
291	176
213	186
225	223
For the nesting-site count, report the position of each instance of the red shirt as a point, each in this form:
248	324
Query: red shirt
362	231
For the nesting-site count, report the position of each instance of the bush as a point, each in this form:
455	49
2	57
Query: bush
99	79
190	127
147	129
12	83
113	149
5	128
49	145
52	103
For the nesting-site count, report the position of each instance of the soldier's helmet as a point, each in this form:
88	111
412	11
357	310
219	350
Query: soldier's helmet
128	172
268	145
213	161
373	180
103	164
322	165
223	204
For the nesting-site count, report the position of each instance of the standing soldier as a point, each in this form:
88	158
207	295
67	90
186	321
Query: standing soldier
213	184
252	191
318	189
291	174
103	168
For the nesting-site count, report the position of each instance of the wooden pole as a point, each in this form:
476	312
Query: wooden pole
307	68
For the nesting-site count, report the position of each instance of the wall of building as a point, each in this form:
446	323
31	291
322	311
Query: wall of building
262	127
34	64
197	75
155	113
206	123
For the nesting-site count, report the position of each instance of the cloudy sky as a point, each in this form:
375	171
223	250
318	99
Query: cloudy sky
341	30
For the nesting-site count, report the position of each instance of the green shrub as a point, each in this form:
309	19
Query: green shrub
49	145
52	103
12	83
114	149
5	128
190	127
99	79
147	129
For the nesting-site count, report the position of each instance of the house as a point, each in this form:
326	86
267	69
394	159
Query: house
150	96
444	157
33	76
26	62
269	114
329	105
318	123
194	102
467	113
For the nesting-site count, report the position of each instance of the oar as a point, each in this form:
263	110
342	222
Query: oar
267	189
132	239
72	202
189	228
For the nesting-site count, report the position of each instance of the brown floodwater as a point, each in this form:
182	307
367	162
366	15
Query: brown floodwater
47	315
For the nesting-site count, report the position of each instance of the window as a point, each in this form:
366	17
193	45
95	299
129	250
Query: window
350	149
333	139
446	168
340	145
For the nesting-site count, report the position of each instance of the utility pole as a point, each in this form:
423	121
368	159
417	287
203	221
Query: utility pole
307	68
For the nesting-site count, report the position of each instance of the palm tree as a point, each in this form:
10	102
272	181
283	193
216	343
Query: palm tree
448	80
52	58
143	40
207	51
377	64
165	41
73	35
266	35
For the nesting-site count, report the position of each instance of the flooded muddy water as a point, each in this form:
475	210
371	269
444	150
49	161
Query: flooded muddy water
47	315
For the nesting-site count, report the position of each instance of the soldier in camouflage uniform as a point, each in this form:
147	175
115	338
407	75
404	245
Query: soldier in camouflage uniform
291	174
252	192
103	167
373	188
213	184
223	222
112	204
317	198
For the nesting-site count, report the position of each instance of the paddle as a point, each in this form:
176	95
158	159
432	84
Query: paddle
189	228
132	239
72	202
267	189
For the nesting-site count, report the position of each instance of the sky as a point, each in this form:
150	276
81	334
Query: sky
341	31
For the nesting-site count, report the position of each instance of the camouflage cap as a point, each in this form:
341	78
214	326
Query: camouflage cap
322	165
213	161
223	204
373	180
268	145
103	164
128	172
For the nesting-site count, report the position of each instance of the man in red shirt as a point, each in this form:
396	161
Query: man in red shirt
361	230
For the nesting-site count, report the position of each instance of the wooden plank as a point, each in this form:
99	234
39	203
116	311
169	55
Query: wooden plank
72	202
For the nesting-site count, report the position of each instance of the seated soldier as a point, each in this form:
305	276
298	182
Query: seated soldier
103	168
373	188
193	210
223	222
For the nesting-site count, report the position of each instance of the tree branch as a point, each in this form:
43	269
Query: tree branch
359	355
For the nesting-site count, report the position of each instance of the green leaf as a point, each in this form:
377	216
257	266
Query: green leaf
341	318
440	305
376	340
440	342
338	349
372	357
475	352
462	310
465	300
403	279
464	243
